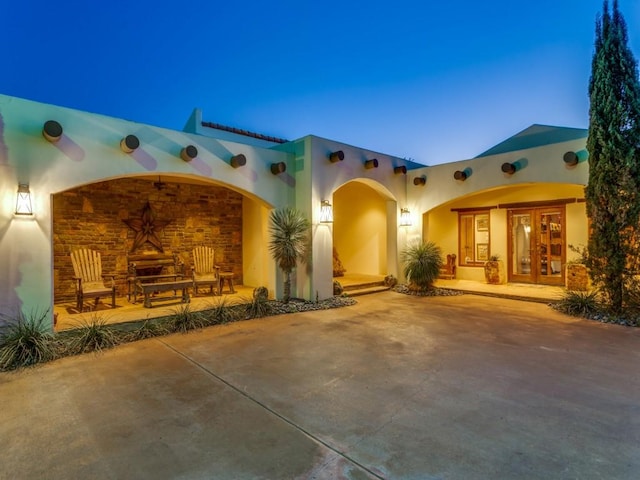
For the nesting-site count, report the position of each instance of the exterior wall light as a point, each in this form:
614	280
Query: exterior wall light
369	164
23	200
238	160
336	156
52	131
278	168
326	212
400	170
129	143
405	217
188	153
420	181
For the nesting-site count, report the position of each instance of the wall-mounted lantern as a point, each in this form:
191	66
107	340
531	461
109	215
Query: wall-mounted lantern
369	164
405	217
278	168
336	156
238	160
23	200
52	131
570	159
129	143
420	181
326	212
188	153
508	168
402	170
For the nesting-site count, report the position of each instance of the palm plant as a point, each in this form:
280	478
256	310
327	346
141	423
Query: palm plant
422	264
289	241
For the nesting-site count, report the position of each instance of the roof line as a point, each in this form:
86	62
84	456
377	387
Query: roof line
246	133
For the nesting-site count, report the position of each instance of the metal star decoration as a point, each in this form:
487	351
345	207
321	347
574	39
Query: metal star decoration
147	227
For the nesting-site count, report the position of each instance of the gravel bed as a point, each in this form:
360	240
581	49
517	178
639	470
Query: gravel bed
298	305
432	292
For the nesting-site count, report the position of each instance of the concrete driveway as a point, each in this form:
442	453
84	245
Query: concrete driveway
395	387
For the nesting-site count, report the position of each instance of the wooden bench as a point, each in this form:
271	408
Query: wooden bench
228	276
149	289
145	269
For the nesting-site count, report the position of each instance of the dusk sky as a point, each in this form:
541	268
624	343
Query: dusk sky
431	81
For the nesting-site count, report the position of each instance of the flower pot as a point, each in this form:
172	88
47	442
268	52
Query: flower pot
576	277
494	272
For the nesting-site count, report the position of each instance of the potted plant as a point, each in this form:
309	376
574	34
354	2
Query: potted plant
494	270
576	273
422	264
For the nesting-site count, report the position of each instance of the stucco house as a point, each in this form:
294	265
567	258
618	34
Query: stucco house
87	174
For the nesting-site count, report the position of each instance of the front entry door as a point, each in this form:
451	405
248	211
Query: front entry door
536	246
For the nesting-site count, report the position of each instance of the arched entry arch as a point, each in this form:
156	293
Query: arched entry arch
365	227
197	211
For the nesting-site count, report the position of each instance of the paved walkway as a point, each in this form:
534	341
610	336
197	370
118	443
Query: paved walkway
394	387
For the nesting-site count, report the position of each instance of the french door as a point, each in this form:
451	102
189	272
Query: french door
536	247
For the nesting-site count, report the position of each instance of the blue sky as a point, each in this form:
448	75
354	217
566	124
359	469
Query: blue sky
431	81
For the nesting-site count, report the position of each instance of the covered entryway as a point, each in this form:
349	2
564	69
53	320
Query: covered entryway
537	245
363	239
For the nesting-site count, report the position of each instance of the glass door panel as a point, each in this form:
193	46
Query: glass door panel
520	260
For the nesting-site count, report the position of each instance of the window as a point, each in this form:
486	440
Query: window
474	243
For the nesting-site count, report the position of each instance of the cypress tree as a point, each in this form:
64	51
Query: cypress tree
612	196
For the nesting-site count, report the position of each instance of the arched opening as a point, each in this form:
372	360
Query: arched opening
185	213
364	233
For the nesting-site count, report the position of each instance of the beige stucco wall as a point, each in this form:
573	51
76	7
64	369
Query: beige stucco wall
89	152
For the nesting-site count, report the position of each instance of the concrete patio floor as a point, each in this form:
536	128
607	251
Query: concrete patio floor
394	387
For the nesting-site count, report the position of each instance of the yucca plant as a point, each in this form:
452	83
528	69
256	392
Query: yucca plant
289	230
184	319
148	329
92	335
221	311
579	304
26	341
422	264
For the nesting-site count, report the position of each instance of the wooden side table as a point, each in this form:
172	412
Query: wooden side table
228	276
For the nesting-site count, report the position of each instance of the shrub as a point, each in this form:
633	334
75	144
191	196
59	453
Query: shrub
184	319
25	342
92	335
222	311
422	264
579	304
259	306
148	329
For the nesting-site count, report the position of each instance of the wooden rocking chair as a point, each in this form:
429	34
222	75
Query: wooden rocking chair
204	270
87	265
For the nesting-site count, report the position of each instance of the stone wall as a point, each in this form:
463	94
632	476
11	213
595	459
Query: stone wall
92	217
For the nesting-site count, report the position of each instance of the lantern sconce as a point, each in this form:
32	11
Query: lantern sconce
238	160
405	217
420	181
23	200
129	143
570	159
326	212
278	168
52	131
336	156
369	164
400	170
188	153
